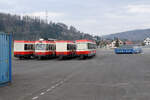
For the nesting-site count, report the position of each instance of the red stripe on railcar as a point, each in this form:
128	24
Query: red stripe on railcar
23	53
44	53
64	53
85	52
82	52
22	41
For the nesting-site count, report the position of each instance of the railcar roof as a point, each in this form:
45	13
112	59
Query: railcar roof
44	42
23	41
64	41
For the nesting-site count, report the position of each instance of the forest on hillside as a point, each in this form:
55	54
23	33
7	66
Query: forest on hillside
33	28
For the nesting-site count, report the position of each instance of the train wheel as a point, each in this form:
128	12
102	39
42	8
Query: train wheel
39	58
28	57
61	57
82	57
20	58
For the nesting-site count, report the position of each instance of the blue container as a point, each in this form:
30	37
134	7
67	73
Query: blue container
5	58
128	49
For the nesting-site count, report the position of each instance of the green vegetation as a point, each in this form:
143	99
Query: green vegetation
33	28
117	43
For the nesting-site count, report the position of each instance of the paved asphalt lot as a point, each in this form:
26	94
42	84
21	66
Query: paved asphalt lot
105	77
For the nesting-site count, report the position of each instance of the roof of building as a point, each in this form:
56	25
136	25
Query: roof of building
85	41
128	42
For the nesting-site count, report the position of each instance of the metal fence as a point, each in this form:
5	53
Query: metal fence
5	58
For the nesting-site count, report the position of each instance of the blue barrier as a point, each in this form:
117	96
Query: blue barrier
5	58
128	50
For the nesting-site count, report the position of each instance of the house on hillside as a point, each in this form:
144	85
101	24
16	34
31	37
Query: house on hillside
113	44
147	41
104	43
128	43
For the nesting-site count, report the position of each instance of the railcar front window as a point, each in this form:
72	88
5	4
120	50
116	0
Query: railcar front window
91	46
40	46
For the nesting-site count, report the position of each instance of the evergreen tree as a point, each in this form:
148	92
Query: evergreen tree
117	43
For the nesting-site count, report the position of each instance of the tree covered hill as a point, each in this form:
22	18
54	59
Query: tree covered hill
134	35
33	28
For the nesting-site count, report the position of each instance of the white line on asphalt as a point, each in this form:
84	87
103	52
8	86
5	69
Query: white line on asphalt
35	98
61	82
42	93
65	79
57	85
48	90
52	87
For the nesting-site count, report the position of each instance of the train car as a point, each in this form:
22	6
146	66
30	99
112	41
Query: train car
85	48
23	49
65	49
128	49
44	49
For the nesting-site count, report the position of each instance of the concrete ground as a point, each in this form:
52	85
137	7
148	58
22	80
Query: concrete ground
105	77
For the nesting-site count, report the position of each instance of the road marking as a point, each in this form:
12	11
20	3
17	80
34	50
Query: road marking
56	85
35	98
60	82
42	93
65	79
52	87
48	90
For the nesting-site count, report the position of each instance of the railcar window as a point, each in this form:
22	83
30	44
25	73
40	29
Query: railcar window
25	47
74	47
91	46
28	47
40	46
71	47
68	46
50	47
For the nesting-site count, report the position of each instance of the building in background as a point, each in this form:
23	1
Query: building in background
128	43
147	41
113	43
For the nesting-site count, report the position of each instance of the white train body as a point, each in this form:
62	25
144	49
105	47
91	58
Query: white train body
23	49
44	49
65	48
85	48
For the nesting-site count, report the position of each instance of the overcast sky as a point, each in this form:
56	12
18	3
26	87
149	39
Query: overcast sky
99	17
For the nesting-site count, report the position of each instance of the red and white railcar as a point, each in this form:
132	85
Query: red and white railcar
23	49
65	49
85	48
44	49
